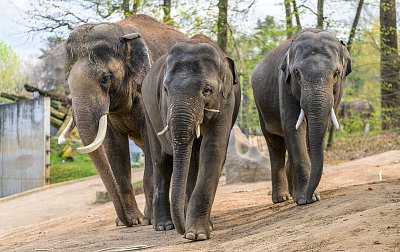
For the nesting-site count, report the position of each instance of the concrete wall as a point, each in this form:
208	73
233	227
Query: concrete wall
24	145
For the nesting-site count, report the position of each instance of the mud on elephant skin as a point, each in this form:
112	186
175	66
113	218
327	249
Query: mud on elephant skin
106	64
297	87
192	98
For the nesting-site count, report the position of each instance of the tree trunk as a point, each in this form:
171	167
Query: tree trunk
125	8
320	14
222	24
390	66
135	6
167	11
297	15
289	25
354	26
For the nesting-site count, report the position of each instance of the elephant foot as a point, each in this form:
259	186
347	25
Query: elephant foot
147	221
301	200
148	217
164	225
134	219
279	196
199	233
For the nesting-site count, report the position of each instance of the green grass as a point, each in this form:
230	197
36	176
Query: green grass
61	170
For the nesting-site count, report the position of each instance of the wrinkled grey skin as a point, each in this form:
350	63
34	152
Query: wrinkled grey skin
305	72
193	76
105	70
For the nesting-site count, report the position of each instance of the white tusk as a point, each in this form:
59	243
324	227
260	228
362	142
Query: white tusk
198	131
300	120
163	131
68	129
101	133
211	110
334	119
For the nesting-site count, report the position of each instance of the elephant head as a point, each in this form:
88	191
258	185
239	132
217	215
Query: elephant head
315	67
198	83
105	68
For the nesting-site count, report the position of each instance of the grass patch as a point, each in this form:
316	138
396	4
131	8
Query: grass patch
61	170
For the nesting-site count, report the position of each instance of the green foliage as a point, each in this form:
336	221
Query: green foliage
11	77
61	170
249	50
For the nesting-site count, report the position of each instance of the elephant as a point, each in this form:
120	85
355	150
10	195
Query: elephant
360	109
105	66
191	97
297	88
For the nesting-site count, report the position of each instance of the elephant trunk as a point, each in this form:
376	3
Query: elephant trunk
318	116
184	123
89	122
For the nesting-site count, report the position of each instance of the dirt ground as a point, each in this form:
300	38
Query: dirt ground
358	212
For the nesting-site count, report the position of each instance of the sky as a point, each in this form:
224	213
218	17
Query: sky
13	25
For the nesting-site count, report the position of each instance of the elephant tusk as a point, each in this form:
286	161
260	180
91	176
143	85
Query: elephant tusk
198	131
68	129
163	131
101	134
212	110
334	119
300	120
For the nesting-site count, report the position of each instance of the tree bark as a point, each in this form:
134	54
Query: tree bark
390	66
354	26
125	8
167	11
289	24
222	24
297	15
320	14
135	6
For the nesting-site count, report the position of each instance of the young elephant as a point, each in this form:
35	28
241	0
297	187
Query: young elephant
297	87
191	96
106	64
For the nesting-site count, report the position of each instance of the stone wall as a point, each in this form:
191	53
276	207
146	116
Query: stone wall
24	145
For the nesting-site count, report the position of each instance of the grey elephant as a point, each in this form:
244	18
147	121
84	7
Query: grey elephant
106	64
297	87
362	108
192	98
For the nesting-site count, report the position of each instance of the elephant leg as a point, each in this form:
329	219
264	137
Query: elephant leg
277	152
148	186
289	176
212	156
162	172
116	148
300	165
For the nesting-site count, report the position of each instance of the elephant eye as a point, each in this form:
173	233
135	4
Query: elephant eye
106	77
165	90
207	90
336	73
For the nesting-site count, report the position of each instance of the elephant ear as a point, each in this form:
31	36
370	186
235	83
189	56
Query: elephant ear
235	79
137	57
285	66
346	58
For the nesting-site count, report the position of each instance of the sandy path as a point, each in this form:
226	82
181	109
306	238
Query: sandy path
349	218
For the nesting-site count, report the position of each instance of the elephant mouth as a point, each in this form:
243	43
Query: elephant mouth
333	118
101	134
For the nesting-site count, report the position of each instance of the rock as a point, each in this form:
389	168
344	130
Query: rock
66	154
102	197
244	162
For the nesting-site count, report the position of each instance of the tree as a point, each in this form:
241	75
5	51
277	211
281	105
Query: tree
390	65
222	24
49	73
320	14
167	12
355	24
297	15
11	77
289	23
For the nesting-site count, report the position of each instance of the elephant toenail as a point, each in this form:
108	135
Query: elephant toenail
190	236
201	237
